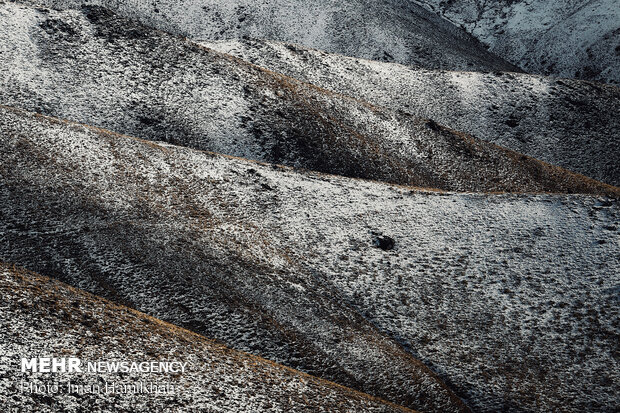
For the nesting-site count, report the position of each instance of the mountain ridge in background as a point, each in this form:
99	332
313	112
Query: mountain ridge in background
94	67
391	30
567	38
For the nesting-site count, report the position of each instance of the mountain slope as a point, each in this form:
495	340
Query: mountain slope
216	379
392	30
568	38
93	67
573	124
511	299
119	217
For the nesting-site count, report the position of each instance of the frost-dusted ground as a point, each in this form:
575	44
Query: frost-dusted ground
389	30
573	124
511	299
43	317
93	67
569	38
114	216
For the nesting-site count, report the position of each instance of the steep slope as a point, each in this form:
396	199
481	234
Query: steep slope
93	67
511	299
392	30
569	38
119	217
573	124
78	324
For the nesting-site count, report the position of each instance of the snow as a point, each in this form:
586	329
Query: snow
569	123
567	38
524	285
393	29
42	316
112	73
488	300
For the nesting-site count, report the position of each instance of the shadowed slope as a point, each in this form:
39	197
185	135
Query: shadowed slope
77	324
569	123
156	229
568	38
391	30
297	267
93	67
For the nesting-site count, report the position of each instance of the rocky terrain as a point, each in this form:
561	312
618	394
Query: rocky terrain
93	67
236	186
570	123
140	233
391	30
35	307
505	297
568	38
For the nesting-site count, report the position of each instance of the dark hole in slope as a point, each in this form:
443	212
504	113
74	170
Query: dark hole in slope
384	242
512	122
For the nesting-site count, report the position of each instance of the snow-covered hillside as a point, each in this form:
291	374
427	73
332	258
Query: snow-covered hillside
568	38
93	67
392	30
511	299
570	123
216	379
354	235
164	249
